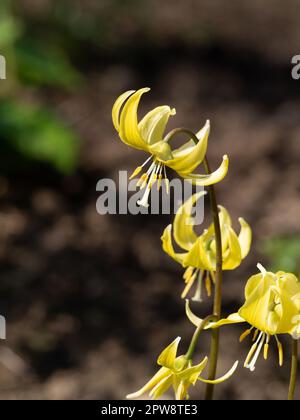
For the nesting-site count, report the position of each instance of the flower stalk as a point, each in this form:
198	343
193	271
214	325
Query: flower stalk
294	369
217	306
195	338
215	336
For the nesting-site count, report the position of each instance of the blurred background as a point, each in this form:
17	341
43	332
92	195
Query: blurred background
90	300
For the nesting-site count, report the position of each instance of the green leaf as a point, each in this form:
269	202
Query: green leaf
44	65
33	134
283	253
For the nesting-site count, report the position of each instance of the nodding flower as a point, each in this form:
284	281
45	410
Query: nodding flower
148	135
199	256
272	308
177	372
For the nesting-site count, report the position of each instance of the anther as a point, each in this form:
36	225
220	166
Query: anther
245	334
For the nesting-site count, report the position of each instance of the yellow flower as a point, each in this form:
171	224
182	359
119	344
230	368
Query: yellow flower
148	135
272	307
200	251
178	373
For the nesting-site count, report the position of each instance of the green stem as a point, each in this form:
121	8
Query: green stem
215	335
294	369
195	338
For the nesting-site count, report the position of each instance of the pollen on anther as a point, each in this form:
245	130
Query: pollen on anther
245	334
136	172
266	351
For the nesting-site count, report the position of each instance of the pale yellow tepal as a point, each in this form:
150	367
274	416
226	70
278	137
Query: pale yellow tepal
177	372
148	135
199	256
272	307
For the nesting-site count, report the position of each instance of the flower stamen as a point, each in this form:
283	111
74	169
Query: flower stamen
151	177
139	168
255	352
198	294
208	284
167	183
266	347
189	283
159	177
245	334
280	351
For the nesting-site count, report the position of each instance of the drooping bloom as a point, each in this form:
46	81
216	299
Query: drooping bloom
176	372
148	135
272	307
199	256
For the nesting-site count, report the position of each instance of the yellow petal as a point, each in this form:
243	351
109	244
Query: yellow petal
191	374
234	256
252	284
213	178
158	377
161	387
256	309
189	156
181	390
191	316
289	283
117	107
245	237
223	378
168	355
128	129
161	150
288	312
198	256
224	216
184	223
153	125
234	318
167	246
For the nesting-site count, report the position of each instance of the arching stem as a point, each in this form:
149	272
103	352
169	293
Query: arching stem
217	306
195	338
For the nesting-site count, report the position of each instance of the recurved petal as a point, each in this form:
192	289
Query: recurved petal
192	373
289	283
117	107
224	216
245	237
153	125
223	378
158	377
128	128
234	318
168	355
183	225
190	155
192	317
167	246
161	387
234	257
213	178
225	223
